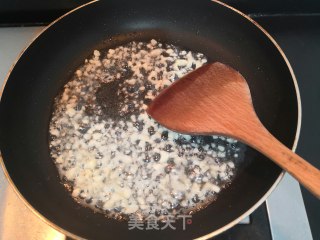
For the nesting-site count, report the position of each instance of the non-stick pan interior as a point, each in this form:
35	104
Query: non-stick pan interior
204	26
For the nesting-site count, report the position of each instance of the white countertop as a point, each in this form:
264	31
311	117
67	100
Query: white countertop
16	220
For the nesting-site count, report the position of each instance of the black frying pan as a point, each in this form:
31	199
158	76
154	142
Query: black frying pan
221	33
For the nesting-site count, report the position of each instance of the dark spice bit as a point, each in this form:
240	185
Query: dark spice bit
83	129
165	212
131	107
193	139
149	86
200	149
156	157
151	130
133	88
181	153
138	125
195	199
180	141
146	159
147	101
174	205
148	147
143	71
164	135
99	155
168	148
157	213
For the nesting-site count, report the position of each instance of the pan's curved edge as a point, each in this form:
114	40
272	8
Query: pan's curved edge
298	129
226	227
44	219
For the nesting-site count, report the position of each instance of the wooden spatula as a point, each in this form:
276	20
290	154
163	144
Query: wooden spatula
215	99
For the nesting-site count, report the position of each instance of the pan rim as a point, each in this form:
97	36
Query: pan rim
230	224
298	129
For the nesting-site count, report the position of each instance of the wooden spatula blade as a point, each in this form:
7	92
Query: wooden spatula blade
202	99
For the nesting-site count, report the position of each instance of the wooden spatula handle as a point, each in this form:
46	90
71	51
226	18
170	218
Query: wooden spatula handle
304	172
